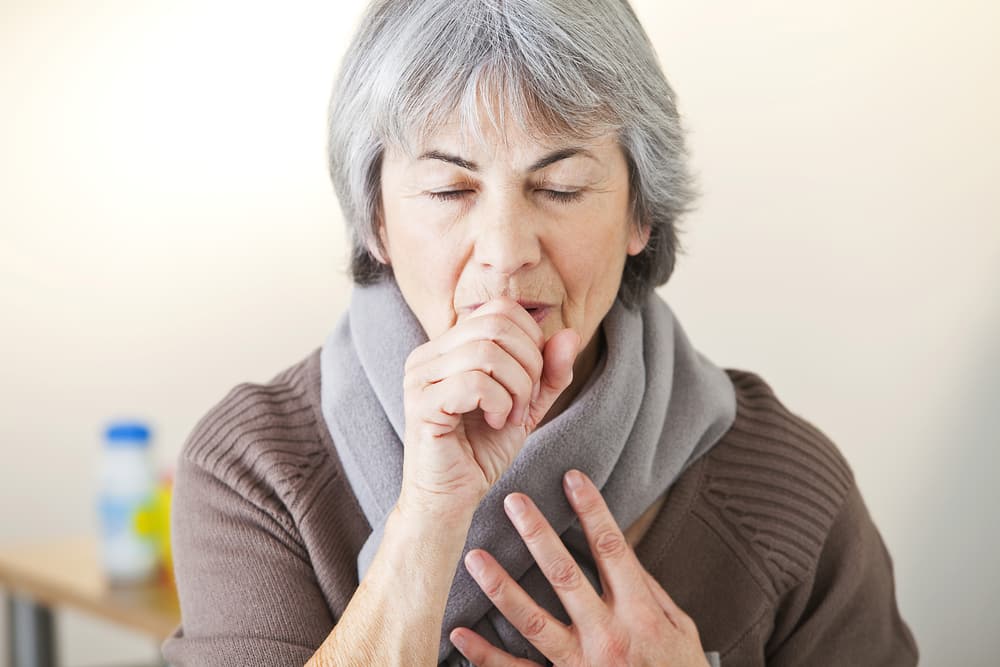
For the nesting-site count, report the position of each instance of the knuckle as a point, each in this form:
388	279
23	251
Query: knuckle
687	624
415	358
410	361
412	380
477	382
524	386
613	647
532	532
496	326
495	588
485	349
534	625
506	304
648	621
537	363
610	544
564	574
590	504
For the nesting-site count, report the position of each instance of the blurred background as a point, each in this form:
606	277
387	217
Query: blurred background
167	230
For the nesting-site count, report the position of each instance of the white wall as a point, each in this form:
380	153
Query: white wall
167	230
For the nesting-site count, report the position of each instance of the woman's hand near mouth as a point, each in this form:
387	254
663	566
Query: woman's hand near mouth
472	395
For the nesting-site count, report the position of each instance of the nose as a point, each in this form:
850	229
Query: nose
506	238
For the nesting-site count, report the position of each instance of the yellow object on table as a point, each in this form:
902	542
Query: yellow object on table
153	521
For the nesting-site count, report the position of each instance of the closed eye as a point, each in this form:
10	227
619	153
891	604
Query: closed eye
449	195
562	195
555	195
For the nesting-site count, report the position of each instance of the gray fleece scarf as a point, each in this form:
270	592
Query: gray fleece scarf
651	407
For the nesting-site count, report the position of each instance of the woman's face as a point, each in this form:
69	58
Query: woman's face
546	225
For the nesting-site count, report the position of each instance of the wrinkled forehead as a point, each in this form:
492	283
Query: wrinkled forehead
498	118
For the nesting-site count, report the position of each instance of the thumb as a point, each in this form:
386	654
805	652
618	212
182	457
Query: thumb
558	356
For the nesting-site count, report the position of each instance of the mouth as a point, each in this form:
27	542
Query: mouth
537	310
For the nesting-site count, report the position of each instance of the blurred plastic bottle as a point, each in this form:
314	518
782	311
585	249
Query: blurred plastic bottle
127	488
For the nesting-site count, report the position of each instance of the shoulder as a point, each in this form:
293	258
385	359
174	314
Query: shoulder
773	487
265	441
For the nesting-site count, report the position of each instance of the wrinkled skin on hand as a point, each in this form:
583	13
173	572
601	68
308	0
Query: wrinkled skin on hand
634	622
472	396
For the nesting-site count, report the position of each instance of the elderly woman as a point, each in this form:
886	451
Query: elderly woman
508	452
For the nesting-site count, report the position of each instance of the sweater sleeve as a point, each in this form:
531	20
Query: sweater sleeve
248	593
844	612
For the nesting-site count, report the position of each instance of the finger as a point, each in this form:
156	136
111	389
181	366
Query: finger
508	334
483	654
441	405
511	309
482	355
620	569
490	326
517	313
581	601
502	308
538	626
557	372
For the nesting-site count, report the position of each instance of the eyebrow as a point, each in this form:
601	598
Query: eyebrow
543	162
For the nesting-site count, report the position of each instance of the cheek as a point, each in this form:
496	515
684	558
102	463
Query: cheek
427	263
419	241
591	259
596	254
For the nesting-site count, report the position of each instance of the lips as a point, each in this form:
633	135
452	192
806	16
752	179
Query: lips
539	312
536	309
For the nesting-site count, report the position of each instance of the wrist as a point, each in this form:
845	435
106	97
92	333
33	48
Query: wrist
395	615
418	558
435	510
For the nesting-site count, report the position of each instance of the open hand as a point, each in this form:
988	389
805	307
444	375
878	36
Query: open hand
633	623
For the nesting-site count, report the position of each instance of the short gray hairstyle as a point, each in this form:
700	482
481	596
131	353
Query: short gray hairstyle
557	67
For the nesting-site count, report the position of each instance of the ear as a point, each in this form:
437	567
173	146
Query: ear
379	249
638	238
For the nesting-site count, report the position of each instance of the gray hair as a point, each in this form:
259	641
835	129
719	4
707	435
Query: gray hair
558	68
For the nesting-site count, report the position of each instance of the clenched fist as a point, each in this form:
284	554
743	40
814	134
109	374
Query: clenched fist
472	395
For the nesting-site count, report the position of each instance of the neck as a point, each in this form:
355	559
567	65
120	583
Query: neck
583	367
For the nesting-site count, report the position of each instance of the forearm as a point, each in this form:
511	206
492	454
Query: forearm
396	614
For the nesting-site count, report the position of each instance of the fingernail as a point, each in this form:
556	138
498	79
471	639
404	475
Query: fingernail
458	639
475	562
536	389
574	480
515	504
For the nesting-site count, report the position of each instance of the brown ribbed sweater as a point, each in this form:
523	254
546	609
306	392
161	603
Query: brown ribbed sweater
765	541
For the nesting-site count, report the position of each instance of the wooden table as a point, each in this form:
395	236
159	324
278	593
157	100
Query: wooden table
42	576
